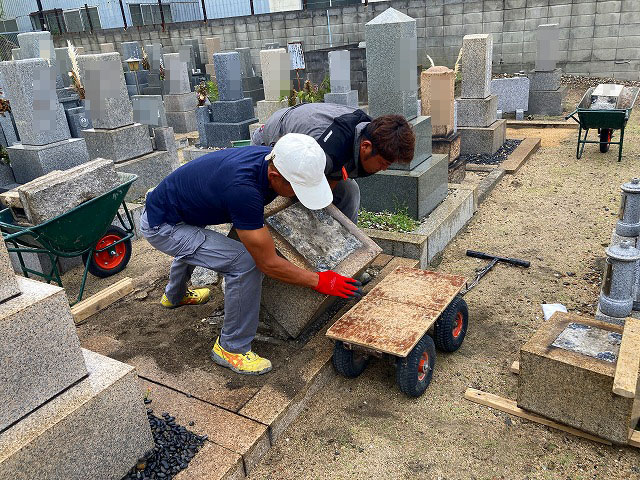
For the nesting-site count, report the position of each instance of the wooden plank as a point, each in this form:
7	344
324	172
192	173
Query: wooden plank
510	407
515	367
626	376
521	154
101	300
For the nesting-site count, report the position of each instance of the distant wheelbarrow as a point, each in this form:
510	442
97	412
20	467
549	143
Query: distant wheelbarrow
606	121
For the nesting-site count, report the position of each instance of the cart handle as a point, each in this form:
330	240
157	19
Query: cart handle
571	115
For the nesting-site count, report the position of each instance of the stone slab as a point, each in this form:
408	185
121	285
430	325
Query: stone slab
222	134
477	54
437	95
182	122
37	320
8	129
547	46
97	429
176	79
63	62
477	112
192	152
8	284
547	103
350	98
276	77
545	81
232	111
130	50
340	71
213	462
266	108
582	367
56	193
483	139
40	45
420	190
203	116
151	170
29	162
185	102
228	75
149	110
118	144
251	83
512	93
246	67
421	127
195	49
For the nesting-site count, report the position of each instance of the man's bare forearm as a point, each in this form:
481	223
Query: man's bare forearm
285	271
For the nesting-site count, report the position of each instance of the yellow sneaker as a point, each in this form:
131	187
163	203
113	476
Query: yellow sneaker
193	296
245	363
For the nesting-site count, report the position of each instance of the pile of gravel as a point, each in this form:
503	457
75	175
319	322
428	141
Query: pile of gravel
500	156
174	449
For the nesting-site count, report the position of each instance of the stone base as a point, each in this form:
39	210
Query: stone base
183	102
151	170
255	95
222	134
97	429
193	152
118	144
266	108
450	146
350	98
420	189
546	102
572	383
541	81
233	111
483	139
477	112
421	127
182	122
39	320
30	162
152	91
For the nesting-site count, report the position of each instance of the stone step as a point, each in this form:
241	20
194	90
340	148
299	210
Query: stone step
97	429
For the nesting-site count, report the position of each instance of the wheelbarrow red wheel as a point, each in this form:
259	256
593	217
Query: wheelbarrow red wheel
605	136
113	260
413	373
348	362
451	327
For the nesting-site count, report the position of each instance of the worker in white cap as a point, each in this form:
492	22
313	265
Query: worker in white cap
233	186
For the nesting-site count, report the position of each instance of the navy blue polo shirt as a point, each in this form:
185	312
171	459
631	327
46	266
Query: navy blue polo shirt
226	186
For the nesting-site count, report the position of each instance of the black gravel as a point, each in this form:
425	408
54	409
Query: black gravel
500	156
174	449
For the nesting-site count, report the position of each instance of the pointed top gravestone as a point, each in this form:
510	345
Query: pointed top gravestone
477	52
228	75
392	63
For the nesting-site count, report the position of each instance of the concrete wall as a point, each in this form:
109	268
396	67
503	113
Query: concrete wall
599	38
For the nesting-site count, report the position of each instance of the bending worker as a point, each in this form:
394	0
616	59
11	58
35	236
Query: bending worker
354	144
233	186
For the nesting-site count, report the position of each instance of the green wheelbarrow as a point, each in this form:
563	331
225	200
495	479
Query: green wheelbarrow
85	231
606	121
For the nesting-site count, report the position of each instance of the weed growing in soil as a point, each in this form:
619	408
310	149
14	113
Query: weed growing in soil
398	221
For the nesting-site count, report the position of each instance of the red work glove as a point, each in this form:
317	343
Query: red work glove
332	283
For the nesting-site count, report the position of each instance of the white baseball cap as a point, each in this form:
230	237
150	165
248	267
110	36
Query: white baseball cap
301	161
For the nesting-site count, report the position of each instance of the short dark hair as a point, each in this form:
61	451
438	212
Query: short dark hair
391	136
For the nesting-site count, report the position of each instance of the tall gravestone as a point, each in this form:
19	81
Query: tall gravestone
154	82
276	78
392	87
135	80
251	83
232	114
479	127
212	46
195	52
340	79
180	101
40	121
149	110
546	93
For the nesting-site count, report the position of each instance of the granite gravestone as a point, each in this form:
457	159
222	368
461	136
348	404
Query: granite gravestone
513	95
149	110
154	82
276	78
251	83
340	79
39	45
212	46
180	101
546	93
195	53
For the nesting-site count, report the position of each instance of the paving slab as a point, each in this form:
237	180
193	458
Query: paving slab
213	462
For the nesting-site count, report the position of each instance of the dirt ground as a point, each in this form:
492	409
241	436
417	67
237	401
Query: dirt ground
557	212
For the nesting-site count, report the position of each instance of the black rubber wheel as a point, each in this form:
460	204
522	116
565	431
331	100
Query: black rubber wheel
107	263
451	327
413	373
605	136
347	362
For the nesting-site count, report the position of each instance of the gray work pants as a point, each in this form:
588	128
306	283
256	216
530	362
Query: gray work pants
193	246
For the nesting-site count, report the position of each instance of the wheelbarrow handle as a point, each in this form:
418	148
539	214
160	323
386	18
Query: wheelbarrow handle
571	115
486	256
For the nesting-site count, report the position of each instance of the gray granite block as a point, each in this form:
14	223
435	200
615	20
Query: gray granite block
255	95
132	90
182	122
477	52
512	93
233	111
97	429
246	66
149	110
187	54
8	128
152	91
251	83
193	152
30	88
130	78
276	73
40	45
545	81
350	98
547	103
6	174
107	98
228	75
520	114
195	52
118	144
40	352
421	127
8	283
477	112
151	170
221	134
165	139
340	71
483	139
184	102
71	101
547	46
392	64
78	121
176	78
266	108
56	193
419	190
203	116
29	162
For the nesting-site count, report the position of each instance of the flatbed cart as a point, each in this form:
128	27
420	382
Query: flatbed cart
85	230
606	121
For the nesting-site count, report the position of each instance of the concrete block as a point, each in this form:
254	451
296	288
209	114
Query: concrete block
421	127
512	93
547	103
420	189
222	134
545	81
151	170
8	284
38	320
477	112
182	122
566	374
184	102
97	429
477	55
350	98
232	111
118	144
483	139
266	108
29	162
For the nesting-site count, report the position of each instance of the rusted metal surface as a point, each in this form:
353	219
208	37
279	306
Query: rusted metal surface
395	315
